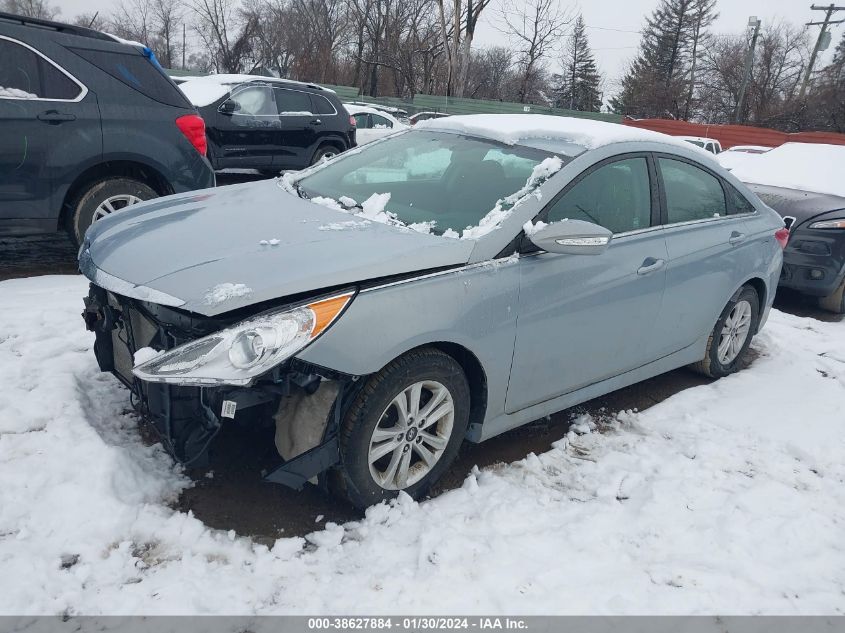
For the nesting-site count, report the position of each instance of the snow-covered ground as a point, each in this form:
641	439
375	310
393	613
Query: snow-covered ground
725	498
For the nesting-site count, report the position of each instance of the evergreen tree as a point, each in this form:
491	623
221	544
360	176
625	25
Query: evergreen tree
580	82
657	83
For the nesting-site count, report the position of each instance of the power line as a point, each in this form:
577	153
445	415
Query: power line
605	28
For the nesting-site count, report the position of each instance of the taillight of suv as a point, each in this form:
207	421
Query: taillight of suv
193	127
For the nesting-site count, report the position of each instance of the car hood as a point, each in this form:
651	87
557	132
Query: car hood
217	250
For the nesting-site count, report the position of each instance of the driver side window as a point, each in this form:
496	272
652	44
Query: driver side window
616	196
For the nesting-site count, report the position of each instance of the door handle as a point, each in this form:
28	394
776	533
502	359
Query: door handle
736	237
650	265
316	122
55	117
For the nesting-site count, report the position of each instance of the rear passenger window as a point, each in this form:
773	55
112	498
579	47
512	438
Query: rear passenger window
137	72
362	121
293	102
616	196
691	193
739	203
26	75
322	105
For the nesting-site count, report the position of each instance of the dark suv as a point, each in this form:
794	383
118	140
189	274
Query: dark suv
88	125
269	124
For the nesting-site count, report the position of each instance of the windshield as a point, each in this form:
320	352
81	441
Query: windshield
449	180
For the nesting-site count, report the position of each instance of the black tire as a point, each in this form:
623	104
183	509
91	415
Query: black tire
352	479
834	302
710	365
85	205
323	151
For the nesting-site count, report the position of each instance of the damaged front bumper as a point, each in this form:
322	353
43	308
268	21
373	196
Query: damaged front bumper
304	402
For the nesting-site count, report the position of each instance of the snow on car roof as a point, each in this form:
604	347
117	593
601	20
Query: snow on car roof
812	167
203	91
513	128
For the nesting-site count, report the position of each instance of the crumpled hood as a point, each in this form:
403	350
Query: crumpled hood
216	250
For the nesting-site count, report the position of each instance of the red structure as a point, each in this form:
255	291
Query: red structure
730	135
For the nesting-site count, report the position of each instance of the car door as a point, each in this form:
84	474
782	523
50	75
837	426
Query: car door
248	133
586	318
299	125
49	120
708	249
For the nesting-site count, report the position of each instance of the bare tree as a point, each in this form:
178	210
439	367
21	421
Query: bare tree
226	33
534	29
458	43
41	9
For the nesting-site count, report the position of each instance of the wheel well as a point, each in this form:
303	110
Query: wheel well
475	375
760	286
113	169
334	142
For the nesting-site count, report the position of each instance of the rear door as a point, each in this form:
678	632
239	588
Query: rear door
709	249
299	125
50	121
251	136
586	318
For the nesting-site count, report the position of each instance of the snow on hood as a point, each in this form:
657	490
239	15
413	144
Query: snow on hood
811	167
513	128
221	249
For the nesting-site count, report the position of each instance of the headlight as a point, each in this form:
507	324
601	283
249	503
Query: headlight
239	353
829	224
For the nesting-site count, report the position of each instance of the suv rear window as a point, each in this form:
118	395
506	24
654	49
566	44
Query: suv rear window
322	105
26	75
137	72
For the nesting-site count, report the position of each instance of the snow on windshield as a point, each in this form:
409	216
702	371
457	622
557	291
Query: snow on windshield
455	186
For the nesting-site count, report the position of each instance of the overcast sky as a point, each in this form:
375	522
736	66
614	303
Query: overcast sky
612	24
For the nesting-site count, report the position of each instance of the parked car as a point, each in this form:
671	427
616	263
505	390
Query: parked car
736	155
803	183
707	144
269	124
425	116
397	113
451	282
371	124
91	125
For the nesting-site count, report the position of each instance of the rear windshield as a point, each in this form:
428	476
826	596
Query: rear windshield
137	72
447	180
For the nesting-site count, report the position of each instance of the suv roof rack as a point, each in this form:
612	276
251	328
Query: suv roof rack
61	27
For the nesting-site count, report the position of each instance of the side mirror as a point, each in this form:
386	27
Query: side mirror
229	107
572	237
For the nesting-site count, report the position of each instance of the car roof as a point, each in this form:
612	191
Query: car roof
351	108
205	90
703	139
514	129
232	79
60	27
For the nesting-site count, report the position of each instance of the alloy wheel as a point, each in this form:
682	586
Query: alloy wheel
734	332
114	204
411	435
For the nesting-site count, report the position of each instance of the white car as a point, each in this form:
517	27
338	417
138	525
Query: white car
738	154
707	144
371	123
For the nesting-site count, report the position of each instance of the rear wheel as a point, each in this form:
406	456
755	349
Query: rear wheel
728	344
834	302
324	151
104	198
404	429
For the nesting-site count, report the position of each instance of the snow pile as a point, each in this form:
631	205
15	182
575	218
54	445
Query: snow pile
16	93
725	498
530	228
805	166
513	128
343	226
225	291
541	172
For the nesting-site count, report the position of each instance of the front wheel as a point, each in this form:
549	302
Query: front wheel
728	344
834	302
404	429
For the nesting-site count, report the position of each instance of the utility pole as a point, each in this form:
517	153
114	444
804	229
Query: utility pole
183	46
753	22
822	41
